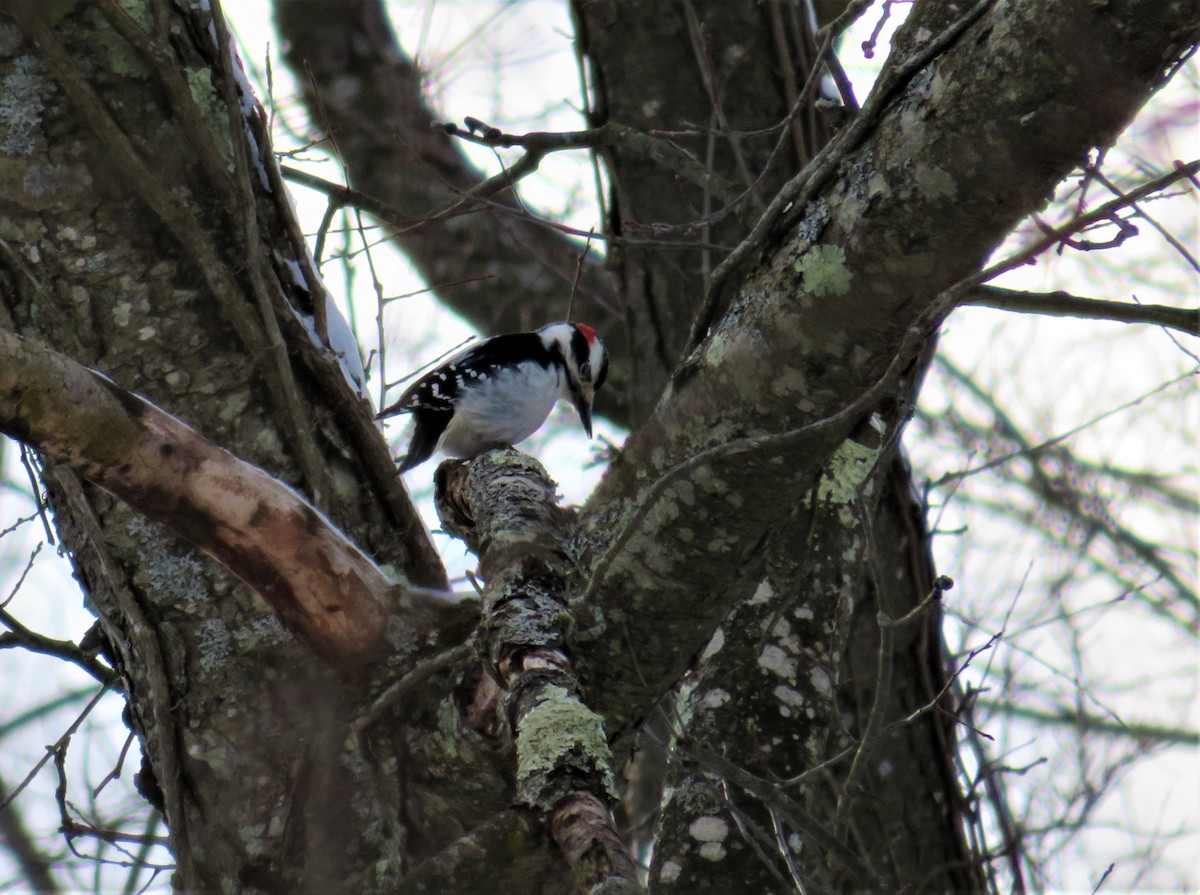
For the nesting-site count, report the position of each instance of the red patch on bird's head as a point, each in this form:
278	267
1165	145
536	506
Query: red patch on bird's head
588	332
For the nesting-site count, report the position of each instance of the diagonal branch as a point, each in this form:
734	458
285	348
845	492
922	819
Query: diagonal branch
610	135
827	305
1106	212
324	589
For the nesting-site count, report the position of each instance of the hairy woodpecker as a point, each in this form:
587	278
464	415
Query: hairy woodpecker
499	391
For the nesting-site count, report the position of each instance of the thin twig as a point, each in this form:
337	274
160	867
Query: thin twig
1080	222
115	773
1034	449
1178	246
807	824
797	192
75	725
587	246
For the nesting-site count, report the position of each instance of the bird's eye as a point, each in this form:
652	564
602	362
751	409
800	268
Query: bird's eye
585	371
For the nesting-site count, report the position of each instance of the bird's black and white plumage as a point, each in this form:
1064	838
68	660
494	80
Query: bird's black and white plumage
499	391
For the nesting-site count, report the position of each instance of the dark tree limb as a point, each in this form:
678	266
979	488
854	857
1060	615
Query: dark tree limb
503	505
18	635
34	865
823	314
386	136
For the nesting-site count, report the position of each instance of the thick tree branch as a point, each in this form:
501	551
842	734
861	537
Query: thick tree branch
503	505
323	587
825	312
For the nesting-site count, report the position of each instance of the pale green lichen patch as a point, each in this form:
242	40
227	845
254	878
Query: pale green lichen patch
717	348
848	468
558	733
23	94
212	110
824	271
934	183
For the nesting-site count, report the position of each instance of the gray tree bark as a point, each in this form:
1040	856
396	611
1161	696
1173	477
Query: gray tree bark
755	498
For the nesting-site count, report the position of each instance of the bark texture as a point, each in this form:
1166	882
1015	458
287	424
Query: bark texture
827	329
146	235
503	505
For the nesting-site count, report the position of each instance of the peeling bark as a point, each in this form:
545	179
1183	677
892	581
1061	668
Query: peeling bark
323	588
503	504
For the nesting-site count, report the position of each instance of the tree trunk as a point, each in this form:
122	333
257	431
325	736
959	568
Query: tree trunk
147	235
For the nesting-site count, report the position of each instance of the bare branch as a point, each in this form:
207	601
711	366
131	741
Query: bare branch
798	191
34	864
1083	221
1064	304
18	635
79	719
612	135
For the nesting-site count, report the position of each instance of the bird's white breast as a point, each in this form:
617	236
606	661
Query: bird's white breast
504	408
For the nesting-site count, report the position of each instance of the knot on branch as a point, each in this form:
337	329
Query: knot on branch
504	505
526	610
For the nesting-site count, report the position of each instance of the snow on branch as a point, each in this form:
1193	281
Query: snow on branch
324	589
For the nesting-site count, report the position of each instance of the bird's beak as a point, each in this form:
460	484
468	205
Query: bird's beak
583	404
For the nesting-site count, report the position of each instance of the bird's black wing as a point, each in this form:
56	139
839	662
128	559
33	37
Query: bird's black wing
437	390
